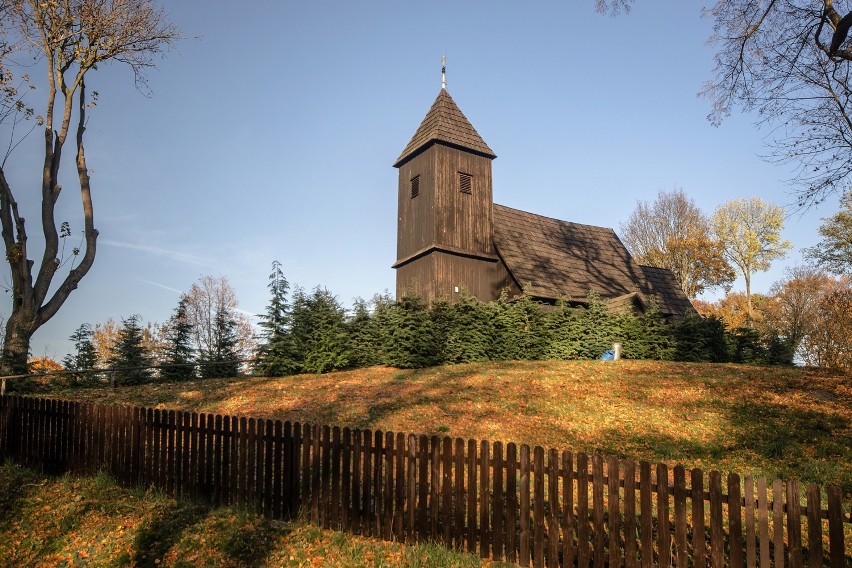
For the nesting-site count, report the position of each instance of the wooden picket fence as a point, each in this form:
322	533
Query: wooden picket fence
525	505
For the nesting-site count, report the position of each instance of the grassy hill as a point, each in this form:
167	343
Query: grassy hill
762	421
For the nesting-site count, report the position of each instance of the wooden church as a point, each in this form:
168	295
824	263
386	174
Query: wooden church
452	238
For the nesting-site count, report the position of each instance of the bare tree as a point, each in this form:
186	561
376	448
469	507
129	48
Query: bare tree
673	233
789	62
70	38
775	58
208	298
834	252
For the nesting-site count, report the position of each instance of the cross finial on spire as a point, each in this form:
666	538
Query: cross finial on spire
444	72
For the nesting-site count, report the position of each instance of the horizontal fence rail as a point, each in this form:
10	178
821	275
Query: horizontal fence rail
529	506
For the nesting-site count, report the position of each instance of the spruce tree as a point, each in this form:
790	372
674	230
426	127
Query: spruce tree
367	331
563	336
221	359
178	351
412	344
85	357
520	333
596	328
467	337
324	339
648	336
276	354
130	360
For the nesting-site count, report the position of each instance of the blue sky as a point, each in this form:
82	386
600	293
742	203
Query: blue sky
271	133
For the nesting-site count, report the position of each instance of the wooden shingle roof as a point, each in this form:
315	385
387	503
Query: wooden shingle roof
445	123
552	259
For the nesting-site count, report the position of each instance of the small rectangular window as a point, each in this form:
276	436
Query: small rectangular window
464	182
415	186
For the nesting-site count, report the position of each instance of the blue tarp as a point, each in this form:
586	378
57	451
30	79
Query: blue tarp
609	355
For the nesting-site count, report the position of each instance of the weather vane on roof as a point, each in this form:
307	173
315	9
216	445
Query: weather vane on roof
444	72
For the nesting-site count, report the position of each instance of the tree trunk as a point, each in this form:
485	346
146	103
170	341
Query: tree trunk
749	313
16	345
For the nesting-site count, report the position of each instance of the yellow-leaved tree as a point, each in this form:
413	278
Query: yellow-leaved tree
749	231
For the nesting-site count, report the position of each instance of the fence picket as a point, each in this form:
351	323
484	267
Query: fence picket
497	494
794	524
538	507
664	539
552	511
411	490
447	490
814	527
568	547
388	496
582	509
699	543
599	548
511	502
751	553
471	531
336	450
524	559
681	550
835	527
346	482
614	510
778	521
763	521
484	500
630	549
459	502
735	522
645	521
400	493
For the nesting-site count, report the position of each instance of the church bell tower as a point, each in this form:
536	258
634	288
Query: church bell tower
445	236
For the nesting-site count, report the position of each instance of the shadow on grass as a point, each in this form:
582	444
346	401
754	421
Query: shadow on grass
237	536
159	534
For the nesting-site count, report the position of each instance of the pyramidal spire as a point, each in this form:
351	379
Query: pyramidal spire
445	124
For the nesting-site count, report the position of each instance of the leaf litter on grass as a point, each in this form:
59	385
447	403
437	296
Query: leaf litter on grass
723	416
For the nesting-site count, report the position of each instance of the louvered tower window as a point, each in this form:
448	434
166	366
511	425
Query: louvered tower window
464	182
415	186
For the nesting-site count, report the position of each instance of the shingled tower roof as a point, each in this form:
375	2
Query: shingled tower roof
445	123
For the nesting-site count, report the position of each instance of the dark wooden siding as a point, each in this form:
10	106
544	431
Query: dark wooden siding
463	221
444	217
437	274
415	224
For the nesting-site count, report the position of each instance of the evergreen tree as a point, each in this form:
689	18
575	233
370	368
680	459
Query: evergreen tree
178	351
519	331
222	359
563	337
323	336
130	360
468	335
366	345
85	357
597	327
276	355
648	336
412	343
702	339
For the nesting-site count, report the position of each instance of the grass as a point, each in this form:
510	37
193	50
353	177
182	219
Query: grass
91	521
788	423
